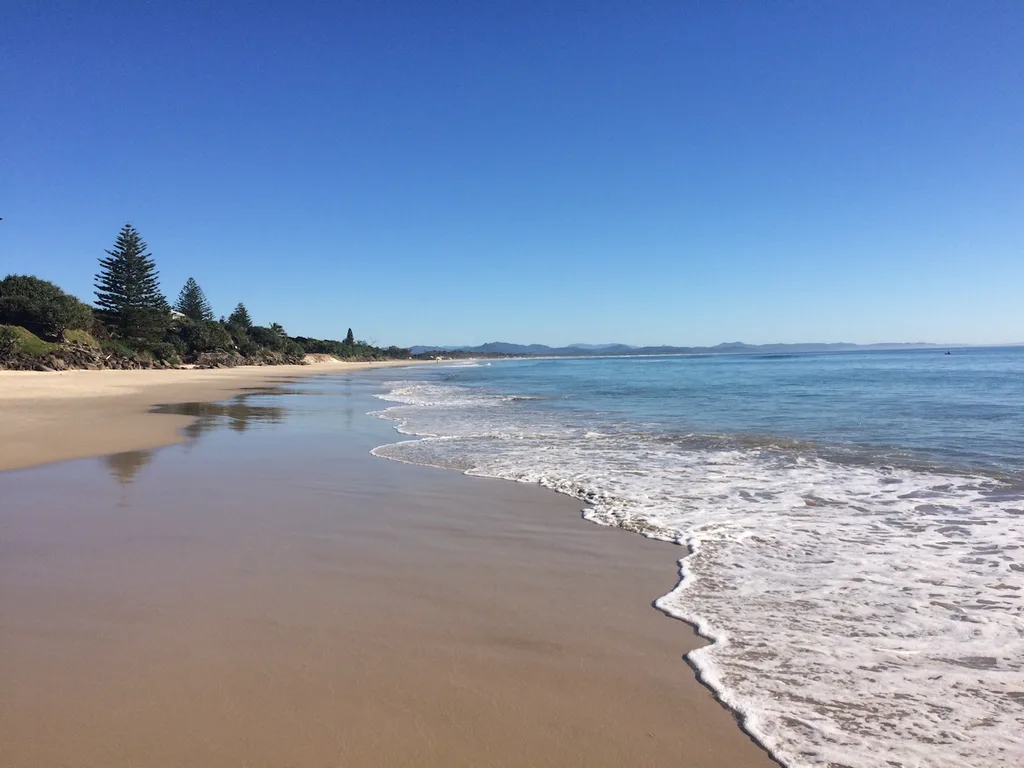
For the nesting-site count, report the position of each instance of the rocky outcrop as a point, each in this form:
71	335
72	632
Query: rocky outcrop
81	357
78	356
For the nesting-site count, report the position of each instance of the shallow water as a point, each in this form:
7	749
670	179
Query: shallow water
855	523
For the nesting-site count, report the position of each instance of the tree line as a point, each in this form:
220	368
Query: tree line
131	315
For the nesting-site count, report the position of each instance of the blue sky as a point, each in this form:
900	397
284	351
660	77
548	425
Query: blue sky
462	172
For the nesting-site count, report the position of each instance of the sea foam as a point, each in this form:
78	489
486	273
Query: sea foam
860	613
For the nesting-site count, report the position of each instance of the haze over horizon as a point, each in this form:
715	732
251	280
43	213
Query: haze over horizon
665	174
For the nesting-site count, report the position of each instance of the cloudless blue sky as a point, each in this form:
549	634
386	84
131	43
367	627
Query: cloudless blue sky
557	172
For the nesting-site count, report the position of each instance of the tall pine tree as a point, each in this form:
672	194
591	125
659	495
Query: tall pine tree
350	339
127	288
240	317
192	302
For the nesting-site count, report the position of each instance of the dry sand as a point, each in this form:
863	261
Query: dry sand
281	598
57	416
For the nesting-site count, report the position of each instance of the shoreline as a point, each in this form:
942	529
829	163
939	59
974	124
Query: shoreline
504	605
703	639
47	417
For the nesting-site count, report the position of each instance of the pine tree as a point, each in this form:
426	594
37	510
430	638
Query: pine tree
240	317
127	289
192	302
350	339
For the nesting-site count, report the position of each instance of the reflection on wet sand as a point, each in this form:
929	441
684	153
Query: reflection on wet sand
125	466
236	414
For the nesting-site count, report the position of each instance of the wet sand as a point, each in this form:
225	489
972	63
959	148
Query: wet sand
57	416
268	594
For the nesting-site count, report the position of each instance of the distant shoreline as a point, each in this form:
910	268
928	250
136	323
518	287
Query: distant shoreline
624	356
499	349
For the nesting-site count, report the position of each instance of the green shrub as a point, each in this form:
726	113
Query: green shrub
205	336
145	323
161	350
117	347
41	307
10	343
265	337
177	343
239	333
31	345
248	349
99	330
81	337
293	350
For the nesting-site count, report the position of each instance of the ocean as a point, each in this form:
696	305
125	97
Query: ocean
853	525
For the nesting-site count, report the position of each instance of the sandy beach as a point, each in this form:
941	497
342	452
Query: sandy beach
267	593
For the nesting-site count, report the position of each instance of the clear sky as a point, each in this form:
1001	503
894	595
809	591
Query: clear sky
558	172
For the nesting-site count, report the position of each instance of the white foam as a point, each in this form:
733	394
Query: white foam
860	615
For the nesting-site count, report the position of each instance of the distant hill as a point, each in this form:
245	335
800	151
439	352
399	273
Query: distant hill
590	350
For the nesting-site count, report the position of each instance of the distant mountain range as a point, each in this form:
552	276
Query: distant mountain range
583	350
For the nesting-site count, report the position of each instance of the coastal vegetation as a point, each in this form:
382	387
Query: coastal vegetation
41	307
132	325
192	302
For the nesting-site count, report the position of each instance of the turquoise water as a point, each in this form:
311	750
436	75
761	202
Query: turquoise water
854	525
